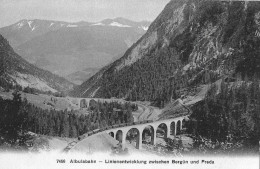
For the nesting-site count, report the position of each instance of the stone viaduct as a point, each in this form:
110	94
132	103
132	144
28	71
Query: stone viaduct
85	102
172	126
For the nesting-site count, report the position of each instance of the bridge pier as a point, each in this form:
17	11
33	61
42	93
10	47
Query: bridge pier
87	103
154	137
168	133
123	140
79	100
175	129
139	140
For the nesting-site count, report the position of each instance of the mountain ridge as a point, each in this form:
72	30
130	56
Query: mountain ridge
190	43
34	24
16	72
65	48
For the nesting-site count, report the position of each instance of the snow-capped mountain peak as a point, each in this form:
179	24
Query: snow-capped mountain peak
123	23
30	23
72	26
51	24
98	24
40	25
26	24
20	24
118	24
145	28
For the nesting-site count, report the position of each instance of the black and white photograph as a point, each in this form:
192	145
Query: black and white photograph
129	84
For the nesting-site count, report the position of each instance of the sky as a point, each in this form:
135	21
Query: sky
12	11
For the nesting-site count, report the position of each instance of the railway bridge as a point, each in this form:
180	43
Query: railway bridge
122	132
168	127
85	102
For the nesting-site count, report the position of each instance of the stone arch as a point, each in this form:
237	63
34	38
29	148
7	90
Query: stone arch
83	103
111	134
173	128
133	136
148	135
92	103
183	124
162	130
178	130
119	136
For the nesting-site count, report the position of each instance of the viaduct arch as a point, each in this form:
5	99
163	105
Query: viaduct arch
173	127
120	132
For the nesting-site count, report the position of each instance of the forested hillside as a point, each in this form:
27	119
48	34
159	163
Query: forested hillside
230	113
191	43
16	73
19	118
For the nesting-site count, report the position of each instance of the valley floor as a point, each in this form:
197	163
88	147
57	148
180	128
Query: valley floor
144	112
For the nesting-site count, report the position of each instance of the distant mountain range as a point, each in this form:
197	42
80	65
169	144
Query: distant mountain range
16	72
65	48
